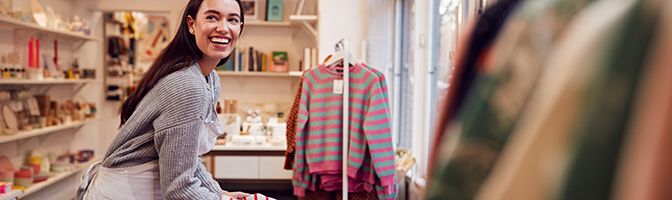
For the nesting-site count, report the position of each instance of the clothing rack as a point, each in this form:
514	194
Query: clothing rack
342	47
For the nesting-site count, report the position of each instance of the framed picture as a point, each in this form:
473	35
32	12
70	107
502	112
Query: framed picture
279	61
274	10
251	8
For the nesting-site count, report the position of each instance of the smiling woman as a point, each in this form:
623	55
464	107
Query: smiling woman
169	121
217	24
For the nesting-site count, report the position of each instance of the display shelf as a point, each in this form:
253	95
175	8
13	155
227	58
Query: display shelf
43	82
267	24
258	74
16	24
56	178
42	131
251	147
303	18
11	196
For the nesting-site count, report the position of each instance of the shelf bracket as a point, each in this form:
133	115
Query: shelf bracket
79	88
310	29
305	19
78	44
299	9
46	90
76	129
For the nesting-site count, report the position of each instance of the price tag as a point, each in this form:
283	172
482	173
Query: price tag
338	86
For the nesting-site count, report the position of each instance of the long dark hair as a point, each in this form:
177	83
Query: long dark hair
180	53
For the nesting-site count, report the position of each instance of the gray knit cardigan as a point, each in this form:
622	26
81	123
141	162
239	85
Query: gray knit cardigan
165	127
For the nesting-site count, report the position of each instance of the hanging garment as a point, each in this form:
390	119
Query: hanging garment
113	46
291	128
294	114
606	109
482	127
644	169
323	195
533	160
318	142
479	41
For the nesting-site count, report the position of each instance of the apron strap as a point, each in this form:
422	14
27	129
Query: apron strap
86	179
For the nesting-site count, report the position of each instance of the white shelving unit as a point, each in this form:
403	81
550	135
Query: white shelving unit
68	45
42	131
257	74
44	82
272	92
16	24
12	195
56	178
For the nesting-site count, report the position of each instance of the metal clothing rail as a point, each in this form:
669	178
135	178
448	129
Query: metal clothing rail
344	56
346	113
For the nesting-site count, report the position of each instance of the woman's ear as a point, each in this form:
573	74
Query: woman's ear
190	24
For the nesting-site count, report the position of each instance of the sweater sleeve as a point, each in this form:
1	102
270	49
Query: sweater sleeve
301	177
207	180
378	133
176	139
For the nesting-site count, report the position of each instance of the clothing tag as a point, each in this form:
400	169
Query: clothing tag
338	86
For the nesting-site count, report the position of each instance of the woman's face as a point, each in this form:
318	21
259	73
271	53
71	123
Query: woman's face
216	28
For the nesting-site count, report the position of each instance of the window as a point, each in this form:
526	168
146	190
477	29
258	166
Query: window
405	89
424	45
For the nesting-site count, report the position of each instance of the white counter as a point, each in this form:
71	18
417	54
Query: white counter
251	147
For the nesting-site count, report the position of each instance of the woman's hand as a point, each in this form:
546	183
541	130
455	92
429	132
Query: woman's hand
235	195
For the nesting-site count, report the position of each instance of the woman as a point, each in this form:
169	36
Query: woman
170	120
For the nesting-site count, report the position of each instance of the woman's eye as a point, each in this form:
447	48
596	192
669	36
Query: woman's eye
211	17
234	20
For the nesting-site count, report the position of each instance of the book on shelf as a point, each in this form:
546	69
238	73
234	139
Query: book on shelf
274	10
250	59
229	65
239	61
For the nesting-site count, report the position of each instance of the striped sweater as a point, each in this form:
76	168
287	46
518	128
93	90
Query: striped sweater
319	137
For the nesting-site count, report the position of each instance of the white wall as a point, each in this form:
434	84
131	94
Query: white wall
340	19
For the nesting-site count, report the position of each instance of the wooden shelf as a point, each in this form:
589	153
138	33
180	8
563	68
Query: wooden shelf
43	82
16	24
257	74
303	18
267	24
56	178
11	196
37	132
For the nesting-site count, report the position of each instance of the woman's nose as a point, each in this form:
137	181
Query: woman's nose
222	27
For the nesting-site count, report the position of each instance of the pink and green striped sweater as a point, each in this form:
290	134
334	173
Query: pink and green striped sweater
318	159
